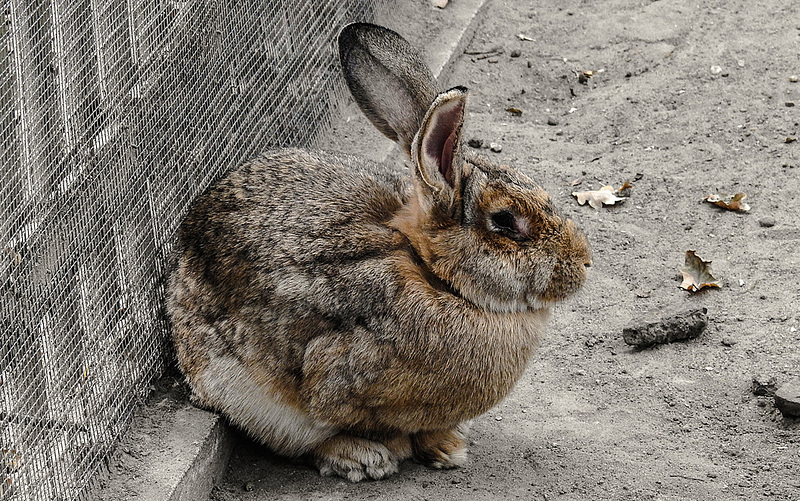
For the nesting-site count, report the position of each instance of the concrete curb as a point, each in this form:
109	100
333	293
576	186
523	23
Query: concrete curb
190	451
453	41
208	459
172	451
192	457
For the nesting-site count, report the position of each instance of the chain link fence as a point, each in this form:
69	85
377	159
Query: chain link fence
114	116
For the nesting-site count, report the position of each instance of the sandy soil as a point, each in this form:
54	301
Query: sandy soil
594	418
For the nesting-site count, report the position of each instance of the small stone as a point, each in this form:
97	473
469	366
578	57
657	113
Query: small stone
787	398
249	486
767	222
498	418
682	325
475	143
530	64
790	104
495	147
728	341
764	385
793	78
516	53
493	60
552	121
740	62
716	70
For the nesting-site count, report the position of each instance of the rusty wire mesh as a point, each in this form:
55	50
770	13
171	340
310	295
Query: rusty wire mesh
114	115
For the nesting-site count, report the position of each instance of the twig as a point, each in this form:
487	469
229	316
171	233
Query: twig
687	477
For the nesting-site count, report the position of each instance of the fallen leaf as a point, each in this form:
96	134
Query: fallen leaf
790	140
697	273
730	202
576	182
597	198
514	111
625	190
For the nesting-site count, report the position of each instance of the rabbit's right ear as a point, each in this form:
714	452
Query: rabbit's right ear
389	81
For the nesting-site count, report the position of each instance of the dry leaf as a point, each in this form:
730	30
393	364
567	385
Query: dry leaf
597	198
729	202
697	273
514	111
625	190
790	139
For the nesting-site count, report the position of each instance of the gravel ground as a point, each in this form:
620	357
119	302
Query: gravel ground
685	99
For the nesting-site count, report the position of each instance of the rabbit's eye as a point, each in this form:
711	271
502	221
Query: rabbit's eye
506	224
503	220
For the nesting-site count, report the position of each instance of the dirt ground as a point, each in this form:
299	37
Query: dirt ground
594	418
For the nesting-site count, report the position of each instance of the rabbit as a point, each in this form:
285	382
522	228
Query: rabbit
357	317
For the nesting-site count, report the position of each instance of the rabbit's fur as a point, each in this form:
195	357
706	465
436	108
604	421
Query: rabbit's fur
337	309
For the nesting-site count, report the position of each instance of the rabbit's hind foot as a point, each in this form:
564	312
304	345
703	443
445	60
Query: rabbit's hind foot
358	458
441	449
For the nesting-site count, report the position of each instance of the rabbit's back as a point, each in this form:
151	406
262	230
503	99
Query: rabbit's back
279	251
286	214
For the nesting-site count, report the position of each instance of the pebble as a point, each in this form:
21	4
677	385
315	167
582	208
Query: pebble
764	385
475	143
728	341
716	70
516	53
787	398
682	325
790	104
495	147
249	486
552	121
793	78
767	222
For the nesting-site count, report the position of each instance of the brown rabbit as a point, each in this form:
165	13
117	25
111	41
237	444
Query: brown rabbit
335	309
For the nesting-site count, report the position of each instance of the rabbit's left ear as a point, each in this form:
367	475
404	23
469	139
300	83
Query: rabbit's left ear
436	150
388	79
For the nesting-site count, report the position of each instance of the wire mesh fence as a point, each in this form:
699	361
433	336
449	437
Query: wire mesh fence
114	116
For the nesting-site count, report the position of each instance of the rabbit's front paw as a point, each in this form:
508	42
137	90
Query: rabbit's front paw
354	458
441	448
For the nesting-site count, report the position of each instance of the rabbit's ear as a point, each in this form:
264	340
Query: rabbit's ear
436	150
389	81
